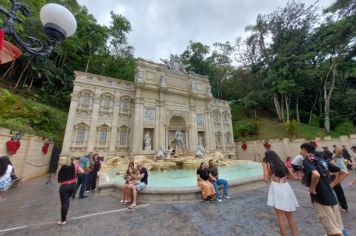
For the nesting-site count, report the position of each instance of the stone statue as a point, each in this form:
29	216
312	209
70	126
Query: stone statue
179	139
163	82
147	141
139	75
162	153
202	152
175	64
193	86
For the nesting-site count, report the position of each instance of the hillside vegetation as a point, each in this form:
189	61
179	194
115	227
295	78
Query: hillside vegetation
265	128
20	114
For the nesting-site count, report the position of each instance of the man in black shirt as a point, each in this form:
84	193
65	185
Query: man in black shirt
216	181
139	185
316	171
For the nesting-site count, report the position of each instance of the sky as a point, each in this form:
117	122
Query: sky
161	27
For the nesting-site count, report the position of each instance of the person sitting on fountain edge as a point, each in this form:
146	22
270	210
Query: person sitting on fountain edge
216	181
139	185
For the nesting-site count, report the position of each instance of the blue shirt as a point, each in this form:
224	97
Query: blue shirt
84	162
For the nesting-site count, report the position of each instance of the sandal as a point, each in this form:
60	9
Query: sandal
61	222
122	201
132	206
125	202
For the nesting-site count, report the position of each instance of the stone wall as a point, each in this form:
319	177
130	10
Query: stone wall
284	148
29	161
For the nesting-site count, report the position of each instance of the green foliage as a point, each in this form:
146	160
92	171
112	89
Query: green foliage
291	127
345	128
93	48
243	129
17	113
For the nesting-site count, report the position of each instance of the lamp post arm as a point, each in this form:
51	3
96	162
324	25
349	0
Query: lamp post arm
33	45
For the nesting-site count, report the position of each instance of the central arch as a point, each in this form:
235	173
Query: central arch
176	122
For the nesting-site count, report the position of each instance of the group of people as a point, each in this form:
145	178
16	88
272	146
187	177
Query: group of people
321	172
209	182
73	175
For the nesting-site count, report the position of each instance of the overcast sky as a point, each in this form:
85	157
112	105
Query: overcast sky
160	27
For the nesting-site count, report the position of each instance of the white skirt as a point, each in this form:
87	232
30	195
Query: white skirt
281	196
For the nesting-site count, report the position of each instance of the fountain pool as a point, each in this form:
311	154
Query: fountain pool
185	178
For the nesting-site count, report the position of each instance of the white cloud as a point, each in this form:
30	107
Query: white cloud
160	27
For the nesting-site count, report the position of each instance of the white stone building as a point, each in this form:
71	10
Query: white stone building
113	117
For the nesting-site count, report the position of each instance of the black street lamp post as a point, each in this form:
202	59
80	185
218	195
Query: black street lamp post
58	23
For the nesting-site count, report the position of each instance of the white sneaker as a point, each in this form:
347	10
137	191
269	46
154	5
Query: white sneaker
219	200
226	196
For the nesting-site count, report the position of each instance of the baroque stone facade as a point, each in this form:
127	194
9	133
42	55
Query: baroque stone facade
120	118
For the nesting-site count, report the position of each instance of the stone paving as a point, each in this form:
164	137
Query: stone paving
33	209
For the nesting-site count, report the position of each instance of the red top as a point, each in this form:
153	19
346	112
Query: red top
74	180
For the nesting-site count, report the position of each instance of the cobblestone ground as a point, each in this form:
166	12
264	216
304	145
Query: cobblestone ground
33	209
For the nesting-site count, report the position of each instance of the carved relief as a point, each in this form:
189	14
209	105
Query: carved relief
149	114
226	118
216	116
200	119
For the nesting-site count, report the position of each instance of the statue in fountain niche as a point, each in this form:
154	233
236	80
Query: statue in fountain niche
179	139
162	154
147	141
202	152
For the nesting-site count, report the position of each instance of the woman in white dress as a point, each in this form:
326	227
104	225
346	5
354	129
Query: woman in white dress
280	194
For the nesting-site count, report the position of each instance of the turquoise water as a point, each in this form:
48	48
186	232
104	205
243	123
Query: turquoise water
188	177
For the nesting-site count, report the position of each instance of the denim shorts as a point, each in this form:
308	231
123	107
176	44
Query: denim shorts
140	186
5	184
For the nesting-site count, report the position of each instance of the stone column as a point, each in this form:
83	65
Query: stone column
194	132
137	132
208	132
222	130
114	124
70	122
93	121
159	125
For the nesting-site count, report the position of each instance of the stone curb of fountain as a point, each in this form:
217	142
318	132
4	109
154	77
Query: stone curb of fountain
157	194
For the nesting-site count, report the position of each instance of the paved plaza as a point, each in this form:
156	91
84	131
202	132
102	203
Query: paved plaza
33	209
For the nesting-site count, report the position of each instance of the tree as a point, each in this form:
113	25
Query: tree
335	46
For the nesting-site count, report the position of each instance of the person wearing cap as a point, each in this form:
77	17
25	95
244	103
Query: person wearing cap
327	152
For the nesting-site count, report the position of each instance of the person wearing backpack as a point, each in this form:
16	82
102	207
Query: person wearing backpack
67	177
316	177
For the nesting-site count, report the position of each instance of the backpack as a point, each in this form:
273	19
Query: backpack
66	173
321	166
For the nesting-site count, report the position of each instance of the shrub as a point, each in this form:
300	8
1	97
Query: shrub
246	129
291	127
